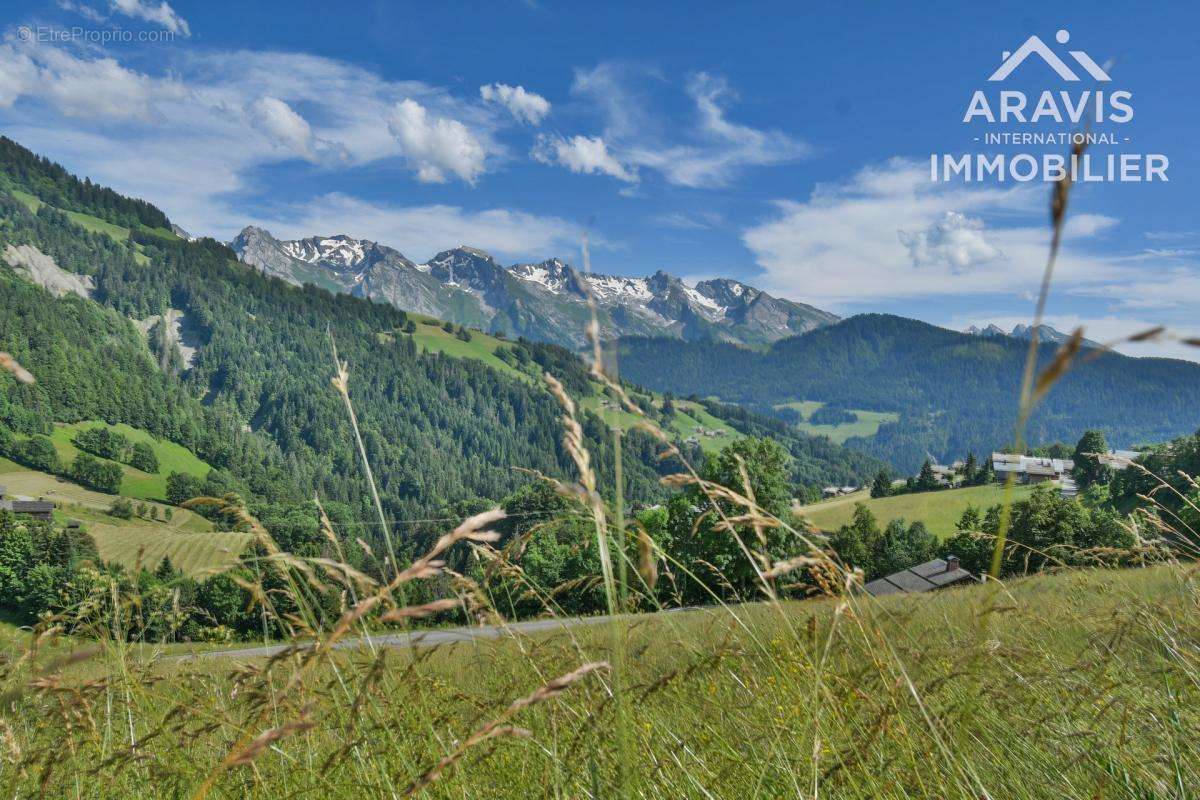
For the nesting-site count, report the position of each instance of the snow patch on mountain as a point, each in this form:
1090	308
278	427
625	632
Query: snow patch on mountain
704	302
611	288
542	300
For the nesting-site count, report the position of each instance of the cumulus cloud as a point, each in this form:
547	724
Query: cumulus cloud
527	107
422	231
161	14
889	232
283	125
84	88
585	154
955	240
193	136
436	145
18	75
711	152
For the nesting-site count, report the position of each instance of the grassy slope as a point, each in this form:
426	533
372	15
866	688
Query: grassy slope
938	510
136	484
482	347
96	225
741	703
688	417
188	539
868	421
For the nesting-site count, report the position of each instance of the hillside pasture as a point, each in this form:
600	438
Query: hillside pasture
867	425
136	484
187	539
939	510
431	338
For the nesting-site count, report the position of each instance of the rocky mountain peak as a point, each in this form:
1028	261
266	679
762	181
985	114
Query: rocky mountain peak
543	300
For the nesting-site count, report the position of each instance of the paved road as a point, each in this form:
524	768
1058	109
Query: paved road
432	637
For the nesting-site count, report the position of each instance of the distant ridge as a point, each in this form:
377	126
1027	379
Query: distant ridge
1045	333
545	300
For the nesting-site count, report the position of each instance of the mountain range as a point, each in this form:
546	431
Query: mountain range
1024	332
546	301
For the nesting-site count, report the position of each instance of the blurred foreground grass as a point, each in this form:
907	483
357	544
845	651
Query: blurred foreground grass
1085	684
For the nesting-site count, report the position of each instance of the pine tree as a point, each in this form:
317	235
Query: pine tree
926	480
882	486
969	468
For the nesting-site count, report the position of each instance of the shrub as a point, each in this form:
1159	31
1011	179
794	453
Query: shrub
121	508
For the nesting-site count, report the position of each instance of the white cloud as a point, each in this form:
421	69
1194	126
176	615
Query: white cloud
282	124
85	11
85	88
422	231
192	137
889	232
956	241
161	14
527	107
690	220
436	145
710	152
587	154
18	75
1175	288
723	148
1170	252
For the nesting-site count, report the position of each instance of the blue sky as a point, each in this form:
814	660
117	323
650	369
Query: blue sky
784	145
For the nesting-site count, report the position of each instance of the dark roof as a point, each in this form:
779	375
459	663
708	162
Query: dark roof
921	578
32	506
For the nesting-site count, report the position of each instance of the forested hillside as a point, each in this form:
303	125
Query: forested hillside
955	392
252	394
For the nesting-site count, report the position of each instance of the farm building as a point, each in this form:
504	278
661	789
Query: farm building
926	577
39	509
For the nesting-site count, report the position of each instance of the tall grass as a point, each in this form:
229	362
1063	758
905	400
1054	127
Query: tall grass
1083	684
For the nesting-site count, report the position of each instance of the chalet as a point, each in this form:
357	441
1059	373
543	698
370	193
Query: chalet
1031	469
926	577
39	509
838	491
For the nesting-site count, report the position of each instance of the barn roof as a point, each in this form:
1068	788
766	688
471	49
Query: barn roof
921	578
